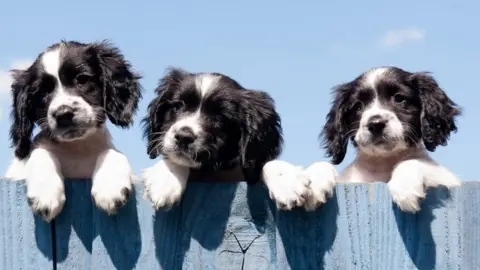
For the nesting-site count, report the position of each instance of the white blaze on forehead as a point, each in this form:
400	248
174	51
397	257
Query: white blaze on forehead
373	76
206	82
51	62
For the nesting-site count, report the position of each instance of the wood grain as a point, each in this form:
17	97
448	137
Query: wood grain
236	226
25	240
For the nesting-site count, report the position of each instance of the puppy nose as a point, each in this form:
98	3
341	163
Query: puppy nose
376	125
64	116
185	136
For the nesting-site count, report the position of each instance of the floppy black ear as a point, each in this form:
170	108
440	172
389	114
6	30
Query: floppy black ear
157	110
261	133
438	111
122	87
22	124
336	130
152	125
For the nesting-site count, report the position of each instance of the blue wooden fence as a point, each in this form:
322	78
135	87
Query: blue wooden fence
233	226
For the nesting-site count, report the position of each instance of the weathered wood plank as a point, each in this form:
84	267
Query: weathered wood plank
469	248
211	229
25	240
74	227
235	226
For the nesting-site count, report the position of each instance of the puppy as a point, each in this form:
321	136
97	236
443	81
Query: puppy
204	123
68	92
393	118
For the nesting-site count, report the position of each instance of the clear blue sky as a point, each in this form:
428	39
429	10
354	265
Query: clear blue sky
295	50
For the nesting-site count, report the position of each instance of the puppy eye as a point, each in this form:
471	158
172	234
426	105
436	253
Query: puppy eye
82	79
177	105
399	99
358	106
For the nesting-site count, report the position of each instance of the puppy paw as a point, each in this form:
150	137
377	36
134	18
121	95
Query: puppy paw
406	188
442	177
45	194
322	177
407	199
164	186
112	181
287	186
111	191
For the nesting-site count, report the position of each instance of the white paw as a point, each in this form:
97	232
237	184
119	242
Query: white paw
112	182
45	189
165	184
111	190
441	176
406	187
45	193
322	177
287	186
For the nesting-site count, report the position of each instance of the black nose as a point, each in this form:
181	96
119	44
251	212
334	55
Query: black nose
185	136
376	125
64	116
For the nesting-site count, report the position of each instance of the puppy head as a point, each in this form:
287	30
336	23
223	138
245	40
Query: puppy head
69	91
201	119
386	110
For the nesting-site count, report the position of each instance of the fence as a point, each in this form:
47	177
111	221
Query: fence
233	226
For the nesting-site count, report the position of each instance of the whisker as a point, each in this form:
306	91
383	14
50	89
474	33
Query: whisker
108	113
156	141
354	123
209	154
350	132
154	149
160	133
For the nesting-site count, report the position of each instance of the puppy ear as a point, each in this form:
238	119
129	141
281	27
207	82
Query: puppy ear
438	111
261	137
22	124
122	87
335	131
152	125
158	108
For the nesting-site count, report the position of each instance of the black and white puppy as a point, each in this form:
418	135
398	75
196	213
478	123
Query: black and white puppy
393	118
207	122
68	92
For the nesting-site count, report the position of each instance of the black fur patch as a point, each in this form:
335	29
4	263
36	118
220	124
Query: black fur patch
426	112
111	88
240	124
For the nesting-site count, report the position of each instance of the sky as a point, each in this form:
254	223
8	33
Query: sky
295	50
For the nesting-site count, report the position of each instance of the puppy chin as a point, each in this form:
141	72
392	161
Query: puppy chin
386	147
374	150
182	160
74	134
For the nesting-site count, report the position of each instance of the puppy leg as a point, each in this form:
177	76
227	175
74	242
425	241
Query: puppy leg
165	183
406	185
287	186
436	175
410	179
45	189
111	181
322	177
